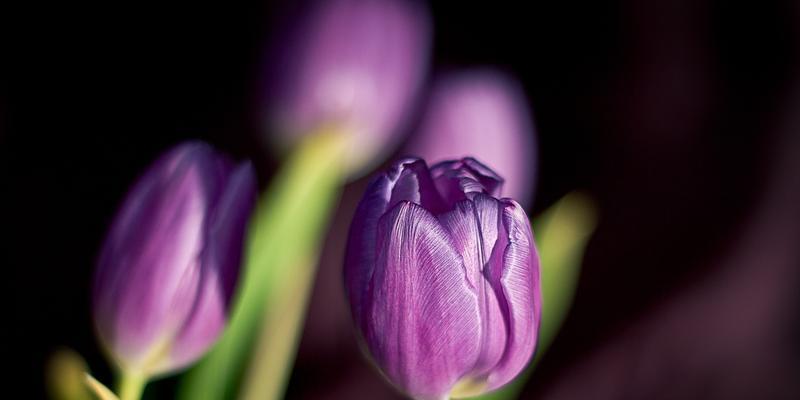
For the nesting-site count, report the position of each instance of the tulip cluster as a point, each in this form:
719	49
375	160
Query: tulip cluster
441	272
443	278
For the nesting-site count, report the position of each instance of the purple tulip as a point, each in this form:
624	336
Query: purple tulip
443	278
354	67
170	262
481	113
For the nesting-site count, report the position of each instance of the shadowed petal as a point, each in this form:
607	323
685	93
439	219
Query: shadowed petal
461	179
228	225
411	181
220	269
408	180
473	226
514	273
423	322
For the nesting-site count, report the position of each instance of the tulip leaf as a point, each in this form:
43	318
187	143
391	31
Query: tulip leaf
283	242
561	235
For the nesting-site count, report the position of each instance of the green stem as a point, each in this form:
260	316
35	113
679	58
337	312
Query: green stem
131	386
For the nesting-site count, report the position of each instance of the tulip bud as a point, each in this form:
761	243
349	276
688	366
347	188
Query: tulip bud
482	113
443	279
170	261
354	68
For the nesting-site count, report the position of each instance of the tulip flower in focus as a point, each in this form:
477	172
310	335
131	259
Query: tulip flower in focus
170	262
443	279
353	68
482	113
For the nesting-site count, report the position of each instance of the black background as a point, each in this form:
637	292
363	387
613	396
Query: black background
665	112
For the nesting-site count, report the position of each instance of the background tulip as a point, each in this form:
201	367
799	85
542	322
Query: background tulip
483	113
443	279
353	67
170	261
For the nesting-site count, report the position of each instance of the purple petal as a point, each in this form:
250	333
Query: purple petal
514	274
460	179
407	180
473	225
169	263
411	181
356	66
423	321
202	327
481	113
228	225
221	259
144	288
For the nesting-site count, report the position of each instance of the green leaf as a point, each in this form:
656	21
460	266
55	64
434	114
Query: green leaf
561	235
280	259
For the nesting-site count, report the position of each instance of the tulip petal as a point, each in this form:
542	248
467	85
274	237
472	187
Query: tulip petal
423	318
408	180
473	225
460	179
514	273
203	325
227	226
142	285
220	270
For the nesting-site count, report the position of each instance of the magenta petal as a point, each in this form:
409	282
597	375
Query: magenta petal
227	227
143	286
474	228
411	181
422	319
461	179
201	328
408	180
515	273
154	273
221	260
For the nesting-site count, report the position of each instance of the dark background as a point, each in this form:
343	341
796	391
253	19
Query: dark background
680	118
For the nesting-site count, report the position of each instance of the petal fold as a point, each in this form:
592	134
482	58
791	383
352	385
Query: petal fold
423	319
461	179
515	274
407	180
473	227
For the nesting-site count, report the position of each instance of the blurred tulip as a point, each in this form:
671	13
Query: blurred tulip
443	279
354	68
170	261
481	113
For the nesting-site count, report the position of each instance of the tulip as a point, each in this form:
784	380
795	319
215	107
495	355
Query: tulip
443	279
482	113
354	67
170	261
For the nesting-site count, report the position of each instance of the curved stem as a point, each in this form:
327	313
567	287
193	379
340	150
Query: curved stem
131	386
100	391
